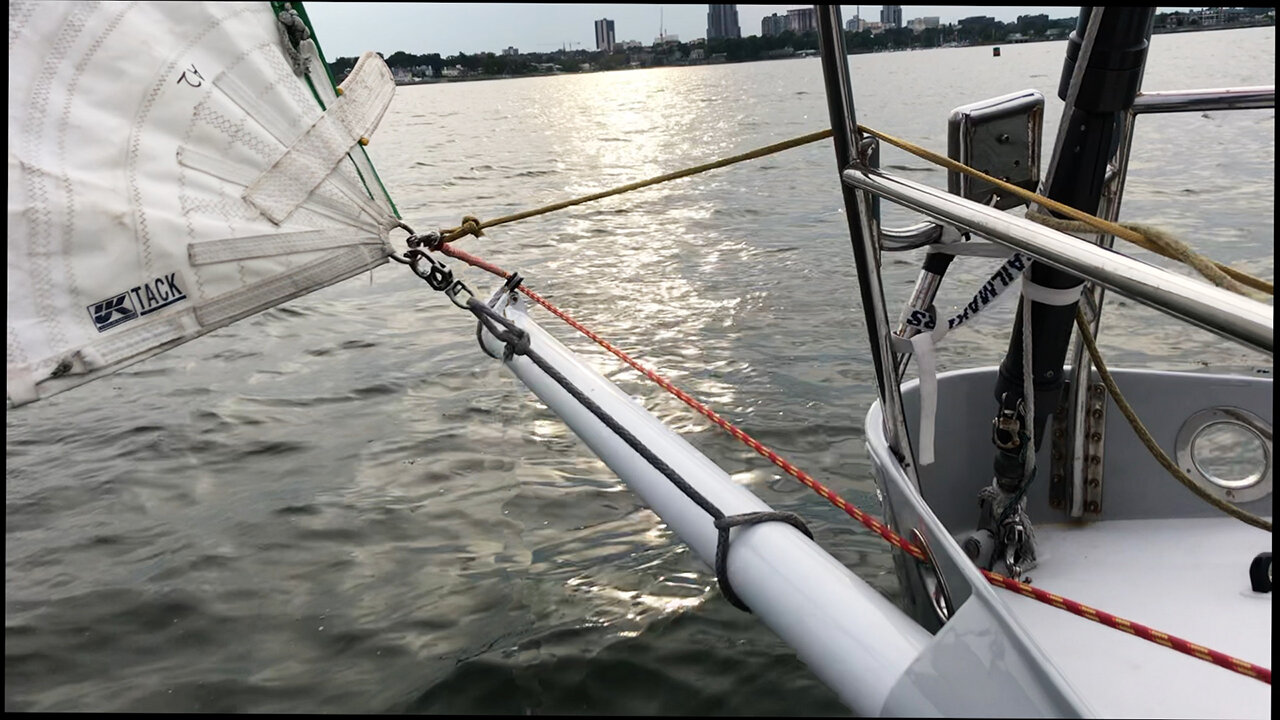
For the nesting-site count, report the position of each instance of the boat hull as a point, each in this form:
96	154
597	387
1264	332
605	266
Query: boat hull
1156	553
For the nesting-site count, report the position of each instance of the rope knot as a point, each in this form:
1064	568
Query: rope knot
470	225
517	344
725	524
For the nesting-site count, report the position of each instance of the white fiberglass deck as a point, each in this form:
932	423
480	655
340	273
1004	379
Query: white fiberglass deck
1185	577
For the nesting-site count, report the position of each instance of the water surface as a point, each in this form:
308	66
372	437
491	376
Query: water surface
341	505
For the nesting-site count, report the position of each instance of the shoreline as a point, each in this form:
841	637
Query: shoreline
479	78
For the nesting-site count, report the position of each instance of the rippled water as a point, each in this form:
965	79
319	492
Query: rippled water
341	505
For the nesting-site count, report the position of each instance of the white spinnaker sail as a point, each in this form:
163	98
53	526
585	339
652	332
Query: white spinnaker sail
174	167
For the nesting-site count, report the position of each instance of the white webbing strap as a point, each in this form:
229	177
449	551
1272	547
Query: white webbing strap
353	115
211	252
927	363
924	346
251	105
990	291
318	202
318	273
1050	296
26	383
311	65
1034	293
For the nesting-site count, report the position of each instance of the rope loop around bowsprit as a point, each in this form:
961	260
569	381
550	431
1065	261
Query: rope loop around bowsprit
517	343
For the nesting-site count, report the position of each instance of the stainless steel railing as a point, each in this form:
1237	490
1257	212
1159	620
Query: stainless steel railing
850	146
1071	464
1242	98
1220	311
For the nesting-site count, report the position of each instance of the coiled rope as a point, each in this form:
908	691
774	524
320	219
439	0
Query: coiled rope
1171	247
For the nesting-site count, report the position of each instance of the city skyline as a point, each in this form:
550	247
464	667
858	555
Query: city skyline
349	29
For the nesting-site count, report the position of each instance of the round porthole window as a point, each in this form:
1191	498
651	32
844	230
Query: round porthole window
1228	452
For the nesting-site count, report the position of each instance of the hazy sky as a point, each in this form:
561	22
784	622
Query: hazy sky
348	29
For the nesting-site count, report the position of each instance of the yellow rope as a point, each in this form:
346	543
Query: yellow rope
1143	236
1168	246
1142	239
1147	237
1145	435
474	228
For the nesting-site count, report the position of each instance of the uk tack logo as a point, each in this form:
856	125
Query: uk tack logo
137	301
112	311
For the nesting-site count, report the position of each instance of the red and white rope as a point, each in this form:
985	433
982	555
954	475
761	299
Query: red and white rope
1170	641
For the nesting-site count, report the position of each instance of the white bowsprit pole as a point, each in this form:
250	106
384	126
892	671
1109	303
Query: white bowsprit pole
853	639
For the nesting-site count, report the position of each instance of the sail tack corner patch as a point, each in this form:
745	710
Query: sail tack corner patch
87	295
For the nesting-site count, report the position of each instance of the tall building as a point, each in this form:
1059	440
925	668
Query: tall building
891	16
722	22
772	25
923	23
604	35
802	21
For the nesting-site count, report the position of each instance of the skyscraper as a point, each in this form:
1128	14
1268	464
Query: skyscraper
772	25
604	35
802	20
891	16
722	22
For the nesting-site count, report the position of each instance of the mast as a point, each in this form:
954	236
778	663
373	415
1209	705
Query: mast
1090	122
1112	50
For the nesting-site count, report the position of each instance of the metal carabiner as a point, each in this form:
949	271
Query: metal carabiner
454	292
439	276
429	240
